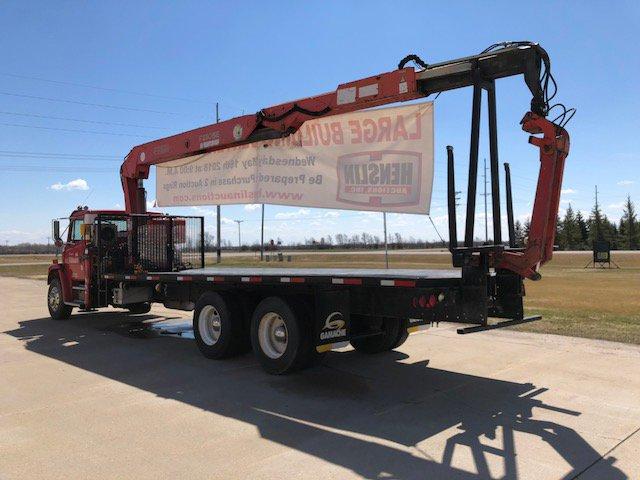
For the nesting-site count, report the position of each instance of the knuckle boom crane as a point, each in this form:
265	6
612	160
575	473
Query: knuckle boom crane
401	85
131	259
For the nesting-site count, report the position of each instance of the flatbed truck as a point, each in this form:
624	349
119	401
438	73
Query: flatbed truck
291	316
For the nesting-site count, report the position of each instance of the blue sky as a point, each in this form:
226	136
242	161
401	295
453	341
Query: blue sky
117	74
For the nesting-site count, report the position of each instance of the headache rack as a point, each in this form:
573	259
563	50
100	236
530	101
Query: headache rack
134	244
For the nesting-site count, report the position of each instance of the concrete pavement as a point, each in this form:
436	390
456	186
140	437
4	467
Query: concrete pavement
101	396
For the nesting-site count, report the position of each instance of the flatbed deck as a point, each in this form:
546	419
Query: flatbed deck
335	276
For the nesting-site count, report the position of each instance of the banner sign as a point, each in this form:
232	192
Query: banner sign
379	160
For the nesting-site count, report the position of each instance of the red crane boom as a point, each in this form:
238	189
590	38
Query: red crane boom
403	84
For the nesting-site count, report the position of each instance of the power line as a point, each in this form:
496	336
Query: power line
94	132
56	154
13	158
106	89
89	104
117	124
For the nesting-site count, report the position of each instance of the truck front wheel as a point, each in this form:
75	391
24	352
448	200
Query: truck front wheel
393	333
279	338
57	308
217	326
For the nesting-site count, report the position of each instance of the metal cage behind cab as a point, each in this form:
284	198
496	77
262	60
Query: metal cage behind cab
148	243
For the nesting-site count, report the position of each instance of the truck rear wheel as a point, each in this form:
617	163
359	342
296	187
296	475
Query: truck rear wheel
393	334
55	302
217	326
279	338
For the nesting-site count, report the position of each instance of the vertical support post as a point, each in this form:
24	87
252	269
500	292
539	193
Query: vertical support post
262	236
170	252
473	166
512	230
386	245
201	241
451	200
218	250
495	170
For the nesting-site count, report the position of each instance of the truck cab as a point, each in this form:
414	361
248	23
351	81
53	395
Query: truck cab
99	242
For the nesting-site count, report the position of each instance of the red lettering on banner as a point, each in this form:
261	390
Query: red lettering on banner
356	131
370	130
399	131
384	129
416	135
338	136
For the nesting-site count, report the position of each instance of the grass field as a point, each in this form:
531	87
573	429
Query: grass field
574	301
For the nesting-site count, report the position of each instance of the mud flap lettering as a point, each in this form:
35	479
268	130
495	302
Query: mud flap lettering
332	322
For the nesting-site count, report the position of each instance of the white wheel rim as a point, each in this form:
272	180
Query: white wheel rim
54	298
273	335
209	325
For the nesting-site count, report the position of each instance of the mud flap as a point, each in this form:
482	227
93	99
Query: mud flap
332	320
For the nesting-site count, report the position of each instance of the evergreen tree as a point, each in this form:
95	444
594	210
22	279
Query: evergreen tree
519	233
629	231
570	230
584	230
526	229
597	228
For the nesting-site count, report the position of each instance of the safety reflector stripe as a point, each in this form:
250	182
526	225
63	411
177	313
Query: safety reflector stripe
346	281
107	276
129	277
183	279
215	279
291	279
251	279
398	283
153	277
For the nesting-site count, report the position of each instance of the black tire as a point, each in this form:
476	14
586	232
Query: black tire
57	308
139	308
288	318
403	334
394	333
217	326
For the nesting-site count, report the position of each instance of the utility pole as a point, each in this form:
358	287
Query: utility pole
262	236
239	237
597	237
486	222
386	245
218	249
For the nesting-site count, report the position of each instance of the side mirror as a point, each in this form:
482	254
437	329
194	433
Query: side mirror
56	233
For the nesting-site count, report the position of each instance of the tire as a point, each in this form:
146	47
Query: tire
403	334
217	326
279	338
57	308
394	333
139	308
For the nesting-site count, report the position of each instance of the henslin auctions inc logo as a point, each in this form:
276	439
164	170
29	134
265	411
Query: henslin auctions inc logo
387	178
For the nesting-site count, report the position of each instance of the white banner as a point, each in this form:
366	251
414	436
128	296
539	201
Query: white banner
379	160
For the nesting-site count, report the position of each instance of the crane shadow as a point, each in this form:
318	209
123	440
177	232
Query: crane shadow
378	416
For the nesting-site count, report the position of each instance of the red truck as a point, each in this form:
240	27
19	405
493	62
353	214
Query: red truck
291	316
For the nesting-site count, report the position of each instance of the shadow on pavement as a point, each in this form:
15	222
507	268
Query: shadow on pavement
365	413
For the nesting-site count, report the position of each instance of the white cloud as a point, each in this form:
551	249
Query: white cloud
624	183
616	206
204	211
77	184
252	206
568	191
297	214
332	214
151	204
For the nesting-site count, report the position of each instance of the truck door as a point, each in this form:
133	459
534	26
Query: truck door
72	256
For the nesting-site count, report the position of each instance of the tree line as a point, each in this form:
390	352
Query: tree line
576	232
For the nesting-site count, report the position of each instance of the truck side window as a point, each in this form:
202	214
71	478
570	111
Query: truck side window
75	231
